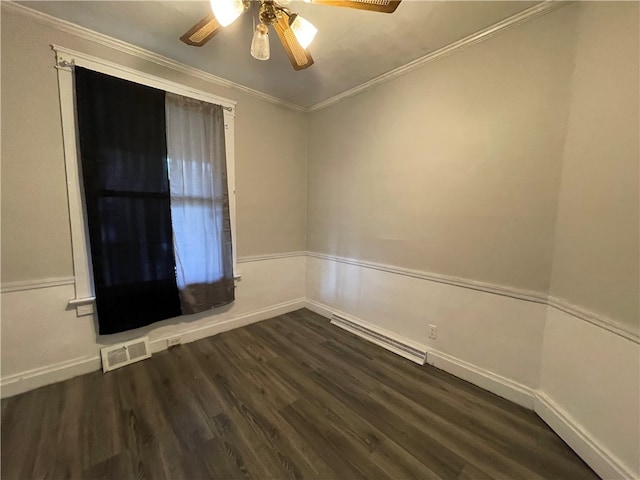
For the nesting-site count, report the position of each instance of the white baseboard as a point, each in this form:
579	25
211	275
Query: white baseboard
39	377
605	463
204	331
318	308
485	379
599	458
492	382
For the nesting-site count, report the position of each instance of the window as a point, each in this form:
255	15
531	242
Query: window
85	294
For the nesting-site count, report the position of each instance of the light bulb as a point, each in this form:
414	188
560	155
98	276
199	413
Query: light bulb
303	30
226	11
260	43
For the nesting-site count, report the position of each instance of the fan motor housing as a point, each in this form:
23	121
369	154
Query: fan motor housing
268	12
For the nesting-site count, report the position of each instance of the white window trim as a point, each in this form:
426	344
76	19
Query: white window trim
66	59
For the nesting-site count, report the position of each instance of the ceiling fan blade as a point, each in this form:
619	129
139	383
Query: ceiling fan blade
201	32
298	56
384	6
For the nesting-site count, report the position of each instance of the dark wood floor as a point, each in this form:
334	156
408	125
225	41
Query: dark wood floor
290	397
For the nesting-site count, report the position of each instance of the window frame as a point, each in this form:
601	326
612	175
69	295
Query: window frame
66	59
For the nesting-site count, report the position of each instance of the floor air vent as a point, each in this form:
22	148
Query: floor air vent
414	354
122	354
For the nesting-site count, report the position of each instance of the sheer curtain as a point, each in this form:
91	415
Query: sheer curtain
199	203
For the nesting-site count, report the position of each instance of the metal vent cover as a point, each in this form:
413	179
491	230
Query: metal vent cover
121	354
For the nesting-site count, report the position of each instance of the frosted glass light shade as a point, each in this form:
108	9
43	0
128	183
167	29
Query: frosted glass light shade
260	43
226	11
303	30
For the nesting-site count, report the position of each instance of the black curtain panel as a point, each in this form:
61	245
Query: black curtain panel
124	165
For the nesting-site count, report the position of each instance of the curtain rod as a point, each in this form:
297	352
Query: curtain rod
63	64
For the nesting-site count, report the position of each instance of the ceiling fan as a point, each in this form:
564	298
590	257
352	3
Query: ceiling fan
295	33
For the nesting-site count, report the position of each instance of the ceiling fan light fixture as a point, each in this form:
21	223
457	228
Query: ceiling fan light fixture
303	29
294	32
227	11
260	43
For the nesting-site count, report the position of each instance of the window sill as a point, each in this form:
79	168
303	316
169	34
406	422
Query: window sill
85	306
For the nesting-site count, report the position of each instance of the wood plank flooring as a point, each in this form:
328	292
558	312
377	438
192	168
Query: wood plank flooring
288	398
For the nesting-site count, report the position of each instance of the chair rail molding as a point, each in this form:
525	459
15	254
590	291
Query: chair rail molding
506	291
8	287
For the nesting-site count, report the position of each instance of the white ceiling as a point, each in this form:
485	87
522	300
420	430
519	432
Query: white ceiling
351	47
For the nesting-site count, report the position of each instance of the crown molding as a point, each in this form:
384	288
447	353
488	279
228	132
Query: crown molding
484	34
124	47
142	53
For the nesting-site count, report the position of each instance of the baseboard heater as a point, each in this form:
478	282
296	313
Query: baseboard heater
411	353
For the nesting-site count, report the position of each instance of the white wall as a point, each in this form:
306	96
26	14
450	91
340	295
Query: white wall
453	167
591	373
499	336
42	341
581	378
480	267
450	170
36	244
512	164
590	383
596	261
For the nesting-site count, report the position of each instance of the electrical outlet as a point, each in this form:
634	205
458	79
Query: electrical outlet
173	341
433	332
